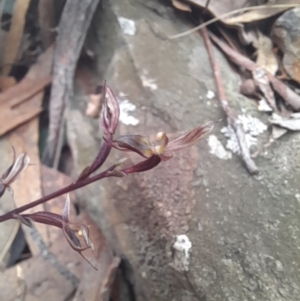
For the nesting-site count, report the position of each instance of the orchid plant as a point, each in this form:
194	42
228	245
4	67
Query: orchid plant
153	153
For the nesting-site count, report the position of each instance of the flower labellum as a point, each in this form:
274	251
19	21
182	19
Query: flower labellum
162	146
143	166
187	139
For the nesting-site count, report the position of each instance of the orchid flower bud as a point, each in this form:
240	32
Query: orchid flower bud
10	175
110	112
72	231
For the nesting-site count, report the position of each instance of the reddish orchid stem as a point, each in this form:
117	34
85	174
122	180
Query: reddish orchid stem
97	163
101	157
69	188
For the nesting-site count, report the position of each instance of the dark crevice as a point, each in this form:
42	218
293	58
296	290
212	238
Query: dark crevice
127	276
66	162
77	208
19	250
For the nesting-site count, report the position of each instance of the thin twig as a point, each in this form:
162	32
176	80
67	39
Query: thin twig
74	186
291	97
231	114
73	26
207	4
221	18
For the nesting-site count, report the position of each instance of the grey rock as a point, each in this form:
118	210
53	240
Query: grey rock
248	225
286	34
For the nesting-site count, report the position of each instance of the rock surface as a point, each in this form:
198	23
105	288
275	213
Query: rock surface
197	227
286	34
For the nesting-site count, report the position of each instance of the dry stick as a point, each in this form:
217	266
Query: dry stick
228	14
73	26
283	90
231	114
76	185
206	5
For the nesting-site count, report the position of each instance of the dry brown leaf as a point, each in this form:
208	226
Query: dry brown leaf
40	278
224	10
22	102
261	79
292	123
14	37
263	11
35	80
181	6
278	132
292	98
9	119
28	185
15	95
219	8
6	82
266	58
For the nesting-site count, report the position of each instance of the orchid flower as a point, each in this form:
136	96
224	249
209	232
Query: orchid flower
162	149
72	231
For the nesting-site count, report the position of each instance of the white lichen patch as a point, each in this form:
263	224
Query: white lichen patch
217	148
125	108
128	26
181	247
183	244
252	126
263	106
149	83
210	94
297	196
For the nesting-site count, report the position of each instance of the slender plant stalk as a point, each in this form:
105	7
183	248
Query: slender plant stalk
153	154
55	194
